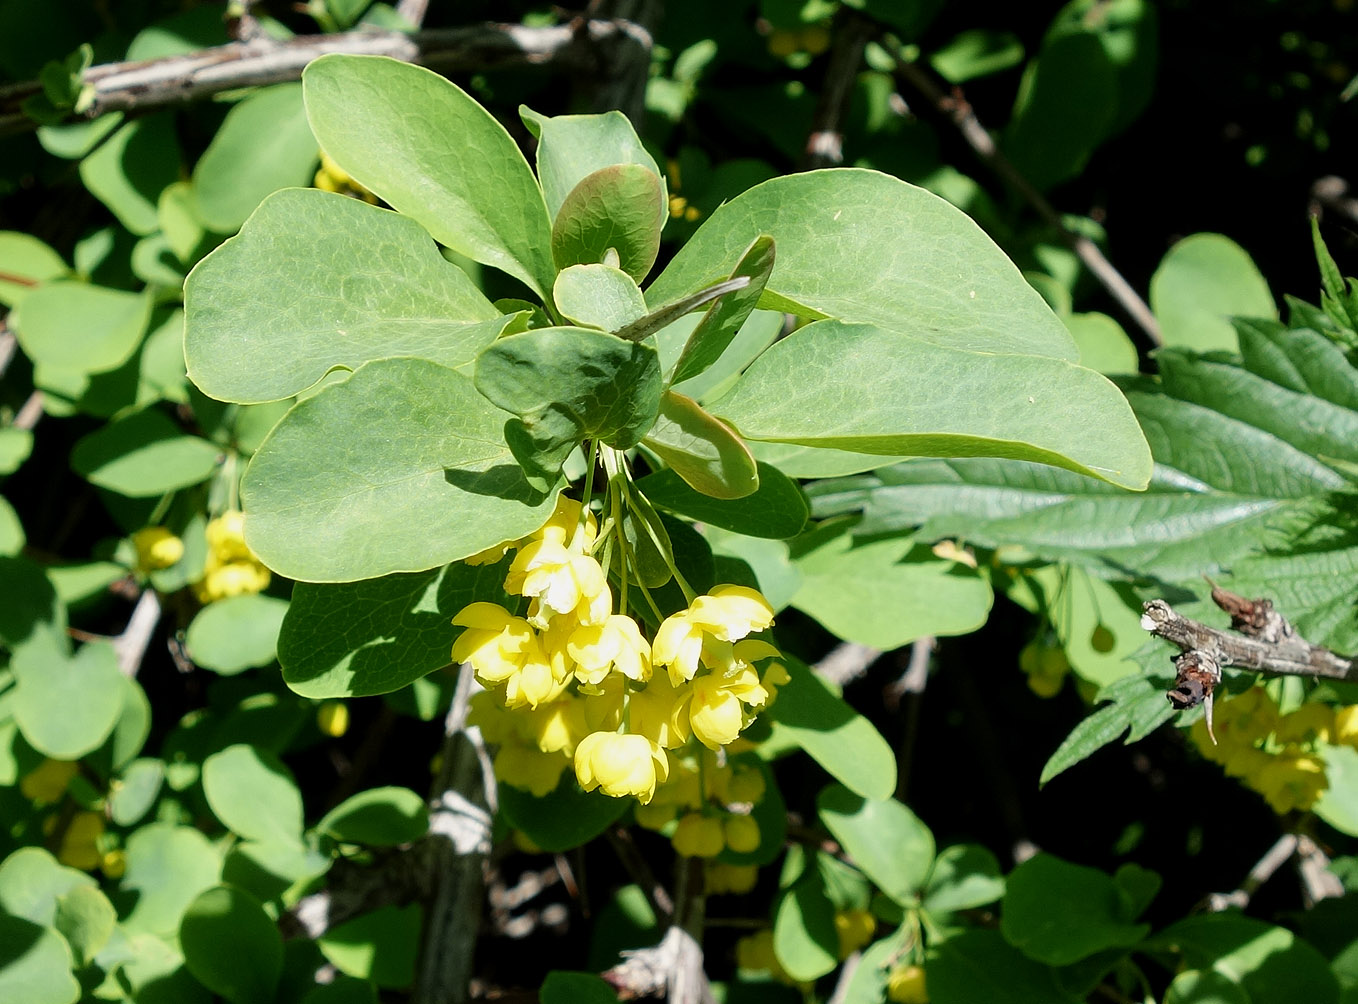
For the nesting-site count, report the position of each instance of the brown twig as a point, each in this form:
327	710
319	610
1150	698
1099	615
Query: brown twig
1274	858
846	662
956	107
825	143
175	80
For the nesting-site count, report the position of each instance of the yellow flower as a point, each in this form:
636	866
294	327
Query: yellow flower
47	782
565	527
1292	781
620	765
720	878
496	644
905	985
558	726
706	630
729	613
80	843
226	536
660	712
534	683
529	768
332	718
715	713
562	581
1346	726
855	929
740	785
678	644
698	836
231	568
156	548
741	833
603	704
113	864
616	642
1310	722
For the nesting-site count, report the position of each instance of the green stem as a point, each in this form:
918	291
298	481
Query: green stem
587	493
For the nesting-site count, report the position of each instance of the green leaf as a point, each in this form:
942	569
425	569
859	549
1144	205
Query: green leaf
431	152
128	172
563	819
12	537
1205	986
85	918
316	281
237	169
561	987
455	483
964	877
1270	962
928	400
32	883
565	385
776	510
232	946
598	296
253	794
344	990
77	326
378	635
883	838
977	965
671	313
725	317
167	867
885	592
702	450
760	330
236	634
379	946
571	147
933	275
1138	704
31	607
618	209
1097	623
65	705
136	791
1201	283
25	263
977	52
35	964
1104	346
1058	913
815	718
1338	804
379	817
804	937
144	455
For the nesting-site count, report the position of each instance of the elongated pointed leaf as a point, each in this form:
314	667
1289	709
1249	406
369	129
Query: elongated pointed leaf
570	147
702	450
389	500
1137	703
928	400
618	208
314	281
431	152
862	246
724	318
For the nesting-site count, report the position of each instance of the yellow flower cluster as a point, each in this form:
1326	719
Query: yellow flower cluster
705	804
232	568
157	547
1276	754
905	984
572	683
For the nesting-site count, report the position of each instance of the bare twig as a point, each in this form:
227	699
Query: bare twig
956	107
175	80
846	662
130	646
413	10
825	144
1317	881
1274	858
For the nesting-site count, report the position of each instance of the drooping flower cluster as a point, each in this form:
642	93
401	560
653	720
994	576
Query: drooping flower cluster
1278	755
231	568
575	683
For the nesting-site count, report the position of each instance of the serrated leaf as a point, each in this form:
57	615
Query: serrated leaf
302	289
390	501
885	592
264	144
619	209
1137	703
598	296
236	633
846	744
1204	281
378	635
143	455
571	147
934	275
430	151
883	838
253	794
702	450
724	318
777	509
928	400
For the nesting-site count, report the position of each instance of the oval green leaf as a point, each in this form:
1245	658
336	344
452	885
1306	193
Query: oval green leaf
35	964
777	509
253	794
236	634
379	817
232	946
598	296
167	866
1201	283
65	705
884	839
77	326
618	208
702	449
570	147
144	455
